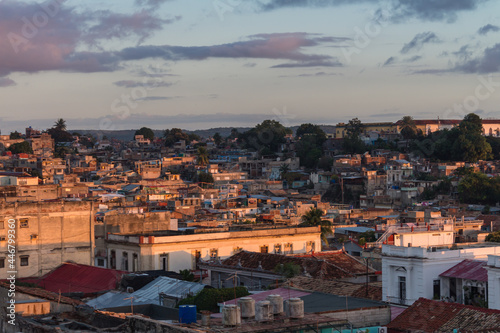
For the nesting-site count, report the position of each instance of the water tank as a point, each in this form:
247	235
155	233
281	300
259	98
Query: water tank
263	311
276	304
187	314
295	308
247	306
231	315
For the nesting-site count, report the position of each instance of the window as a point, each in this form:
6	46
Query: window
2	262
135	262
24	260
100	262
2	225
277	248
264	249
23	223
237	250
402	289
164	262
437	289
125	261
288	248
112	259
214	253
310	246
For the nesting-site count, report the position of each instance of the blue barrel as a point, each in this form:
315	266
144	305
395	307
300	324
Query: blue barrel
187	314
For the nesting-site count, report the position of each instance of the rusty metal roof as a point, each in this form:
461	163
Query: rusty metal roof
468	270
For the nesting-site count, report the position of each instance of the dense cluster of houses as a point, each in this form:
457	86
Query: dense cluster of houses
106	237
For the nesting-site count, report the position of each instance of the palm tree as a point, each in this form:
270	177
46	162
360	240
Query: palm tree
313	218
202	156
284	169
60	124
408	127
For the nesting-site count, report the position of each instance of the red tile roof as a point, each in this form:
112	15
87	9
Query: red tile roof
468	270
436	316
72	277
329	265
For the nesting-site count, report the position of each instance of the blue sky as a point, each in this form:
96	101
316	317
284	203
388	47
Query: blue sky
210	63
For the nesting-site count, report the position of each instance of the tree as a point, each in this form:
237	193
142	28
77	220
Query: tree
60	124
471	145
202	156
21	147
408	127
15	135
309	147
287	270
284	169
186	275
266	137
310	129
205	177
217	139
493	237
477	188
174	135
352	142
146	132
313	218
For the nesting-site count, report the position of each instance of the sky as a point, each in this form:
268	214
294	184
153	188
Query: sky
197	64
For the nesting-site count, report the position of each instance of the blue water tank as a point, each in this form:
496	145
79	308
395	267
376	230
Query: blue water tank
187	314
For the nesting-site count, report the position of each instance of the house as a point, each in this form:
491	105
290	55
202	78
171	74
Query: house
175	251
436	316
493	269
409	273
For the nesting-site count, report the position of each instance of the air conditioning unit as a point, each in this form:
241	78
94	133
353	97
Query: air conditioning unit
382	330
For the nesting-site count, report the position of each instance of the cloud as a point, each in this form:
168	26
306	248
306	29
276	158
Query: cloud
431	10
287	46
389	61
157	98
419	40
312	74
144	83
319	63
6	82
152	4
250	64
398	10
60	36
413	59
487	28
464	53
488	62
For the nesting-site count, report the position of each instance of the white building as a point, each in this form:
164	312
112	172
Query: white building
493	269
141	252
409	273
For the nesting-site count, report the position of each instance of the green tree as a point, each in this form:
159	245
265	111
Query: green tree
60	124
313	218
284	169
217	139
174	135
186	275
208	298
21	147
15	135
477	188
310	129
287	270
205	177
408	127
202	156
493	237
471	145
266	137
352	141
146	132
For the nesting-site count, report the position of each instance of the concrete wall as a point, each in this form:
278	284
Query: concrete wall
378	316
48	233
493	282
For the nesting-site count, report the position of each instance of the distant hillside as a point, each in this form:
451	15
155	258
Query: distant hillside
128	135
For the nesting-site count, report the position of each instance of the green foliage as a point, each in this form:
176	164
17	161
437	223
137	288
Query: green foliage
208	298
186	275
217	139
309	150
21	147
462	143
146	132
443	187
265	138
495	146
313	218
174	135
288	270
284	169
60	125
15	135
493	237
312	130
325	163
352	142
367	236
202	156
205	177
477	188
408	128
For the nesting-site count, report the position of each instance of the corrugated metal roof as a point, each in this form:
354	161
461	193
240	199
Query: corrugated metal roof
71	277
468	270
149	294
